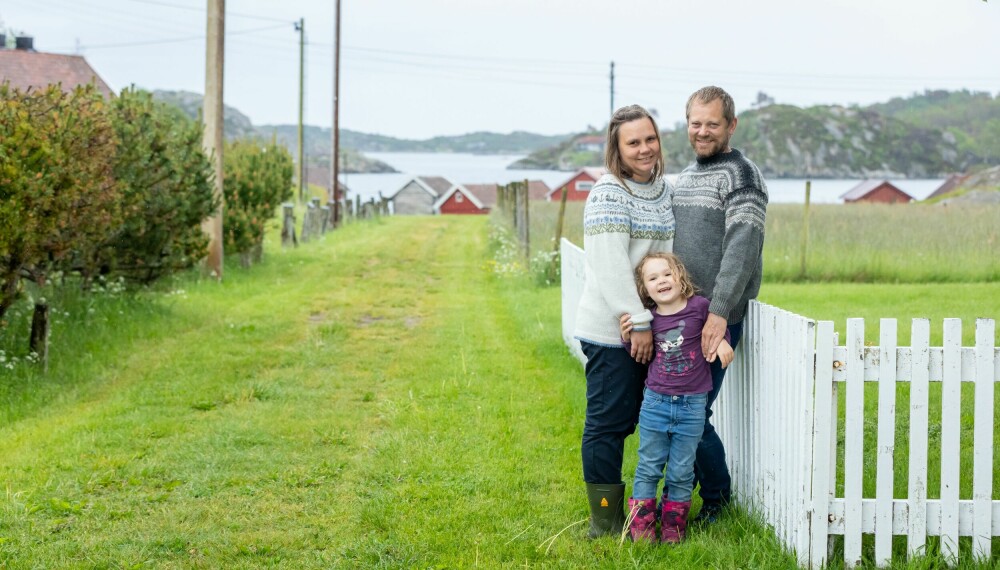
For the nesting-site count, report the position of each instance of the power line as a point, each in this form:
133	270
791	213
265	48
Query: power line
172	40
202	11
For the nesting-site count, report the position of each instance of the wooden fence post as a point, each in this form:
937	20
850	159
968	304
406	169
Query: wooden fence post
288	225
520	190
39	340
325	221
805	232
554	263
307	222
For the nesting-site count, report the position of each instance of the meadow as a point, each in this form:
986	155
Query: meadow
385	397
859	243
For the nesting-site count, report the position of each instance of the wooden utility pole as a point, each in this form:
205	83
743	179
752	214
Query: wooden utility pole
335	159
212	140
300	27
612	88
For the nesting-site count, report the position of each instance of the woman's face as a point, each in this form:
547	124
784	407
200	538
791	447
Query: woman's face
639	148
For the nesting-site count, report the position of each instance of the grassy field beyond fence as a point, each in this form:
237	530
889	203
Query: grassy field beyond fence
870	243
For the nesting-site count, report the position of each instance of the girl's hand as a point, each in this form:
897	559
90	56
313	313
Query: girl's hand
642	346
725	354
626	326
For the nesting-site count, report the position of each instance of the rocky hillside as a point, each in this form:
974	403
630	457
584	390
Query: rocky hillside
477	142
928	135
237	125
565	155
318	143
982	187
834	142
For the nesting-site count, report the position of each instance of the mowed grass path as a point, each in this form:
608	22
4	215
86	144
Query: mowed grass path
375	400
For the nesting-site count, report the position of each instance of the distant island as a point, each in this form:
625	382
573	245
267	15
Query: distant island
926	135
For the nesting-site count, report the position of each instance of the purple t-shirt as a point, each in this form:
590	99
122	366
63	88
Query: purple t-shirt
678	367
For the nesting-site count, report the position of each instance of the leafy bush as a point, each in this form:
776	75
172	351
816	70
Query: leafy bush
58	195
166	181
258	177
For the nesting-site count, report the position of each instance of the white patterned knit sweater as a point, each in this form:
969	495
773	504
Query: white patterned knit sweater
621	224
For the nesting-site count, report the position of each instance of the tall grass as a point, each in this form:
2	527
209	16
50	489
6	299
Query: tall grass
865	243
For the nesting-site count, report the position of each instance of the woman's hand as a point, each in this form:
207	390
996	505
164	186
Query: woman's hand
642	346
626	326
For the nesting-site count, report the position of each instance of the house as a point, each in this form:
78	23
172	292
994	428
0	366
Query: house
419	194
467	199
24	68
480	198
949	185
877	191
578	186
589	143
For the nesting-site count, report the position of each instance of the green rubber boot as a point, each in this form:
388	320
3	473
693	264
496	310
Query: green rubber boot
607	508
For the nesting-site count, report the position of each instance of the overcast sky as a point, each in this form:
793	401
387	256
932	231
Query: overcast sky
420	68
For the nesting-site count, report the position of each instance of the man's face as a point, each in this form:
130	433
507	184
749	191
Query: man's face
708	130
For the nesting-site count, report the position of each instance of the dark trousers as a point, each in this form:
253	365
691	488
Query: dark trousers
710	469
614	396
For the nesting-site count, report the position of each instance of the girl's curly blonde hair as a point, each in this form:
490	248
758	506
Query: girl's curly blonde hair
681	277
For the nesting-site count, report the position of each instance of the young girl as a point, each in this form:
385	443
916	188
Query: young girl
673	407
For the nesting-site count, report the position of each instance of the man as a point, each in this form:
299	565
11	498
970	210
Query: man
719	205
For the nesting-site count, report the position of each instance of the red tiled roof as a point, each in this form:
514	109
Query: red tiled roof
485	193
24	69
537	190
866	186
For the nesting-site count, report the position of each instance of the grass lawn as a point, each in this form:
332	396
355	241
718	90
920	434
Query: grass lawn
377	399
374	400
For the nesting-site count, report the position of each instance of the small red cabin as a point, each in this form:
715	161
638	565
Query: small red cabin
578	186
877	191
467	199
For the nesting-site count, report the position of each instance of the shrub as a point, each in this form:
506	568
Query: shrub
58	195
258	177
166	181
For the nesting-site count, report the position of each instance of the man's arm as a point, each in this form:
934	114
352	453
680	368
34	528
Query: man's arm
742	246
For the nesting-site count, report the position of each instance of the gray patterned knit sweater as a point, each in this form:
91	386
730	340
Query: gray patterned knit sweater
621	224
719	205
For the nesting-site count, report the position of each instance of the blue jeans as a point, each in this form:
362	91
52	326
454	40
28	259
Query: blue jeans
710	469
669	431
614	394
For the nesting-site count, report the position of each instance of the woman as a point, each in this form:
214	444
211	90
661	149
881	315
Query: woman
627	215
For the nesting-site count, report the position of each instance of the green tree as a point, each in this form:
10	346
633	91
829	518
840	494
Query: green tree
166	181
258	177
58	194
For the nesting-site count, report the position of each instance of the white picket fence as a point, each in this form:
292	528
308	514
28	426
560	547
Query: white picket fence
778	416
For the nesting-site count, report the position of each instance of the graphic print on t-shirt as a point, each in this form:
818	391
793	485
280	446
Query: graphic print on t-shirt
669	356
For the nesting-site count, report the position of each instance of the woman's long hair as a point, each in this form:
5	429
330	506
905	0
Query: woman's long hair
612	156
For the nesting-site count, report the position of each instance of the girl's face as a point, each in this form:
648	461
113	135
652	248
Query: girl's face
639	148
658	279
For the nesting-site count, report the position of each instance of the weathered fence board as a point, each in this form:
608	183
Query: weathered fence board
917	486
982	478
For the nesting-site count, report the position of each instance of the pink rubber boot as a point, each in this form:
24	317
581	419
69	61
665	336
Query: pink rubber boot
642	513
673	521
